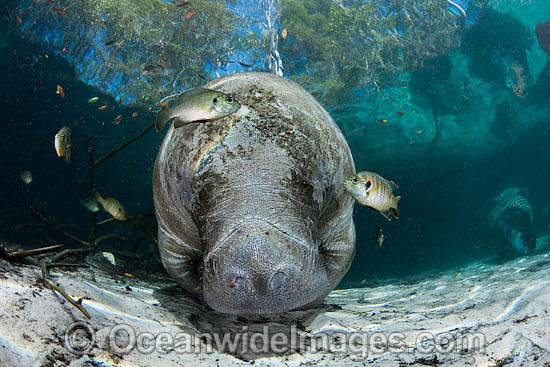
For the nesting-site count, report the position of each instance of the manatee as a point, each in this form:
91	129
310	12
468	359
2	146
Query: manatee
253	217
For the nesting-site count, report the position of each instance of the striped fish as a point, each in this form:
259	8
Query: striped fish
509	199
372	190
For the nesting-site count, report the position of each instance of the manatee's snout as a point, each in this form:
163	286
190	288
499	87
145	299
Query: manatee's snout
261	270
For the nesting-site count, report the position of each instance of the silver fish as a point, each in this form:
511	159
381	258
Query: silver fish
62	143
197	105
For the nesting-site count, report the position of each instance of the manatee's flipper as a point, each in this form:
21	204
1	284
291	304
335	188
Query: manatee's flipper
163	117
393	185
337	245
180	260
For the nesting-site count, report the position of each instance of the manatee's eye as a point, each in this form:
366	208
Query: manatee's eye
355	180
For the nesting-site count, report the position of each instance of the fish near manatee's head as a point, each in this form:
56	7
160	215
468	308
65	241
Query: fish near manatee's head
225	104
358	186
259	269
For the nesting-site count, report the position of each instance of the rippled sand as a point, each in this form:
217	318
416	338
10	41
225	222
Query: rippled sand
484	315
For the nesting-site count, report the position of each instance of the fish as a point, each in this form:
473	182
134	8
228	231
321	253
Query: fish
379	236
117	120
60	91
382	121
135	114
197	105
101	108
372	190
62	143
185	3
284	33
111	206
93	100
189	15
91	205
26	176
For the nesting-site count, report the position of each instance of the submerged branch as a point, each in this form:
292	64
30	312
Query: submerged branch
77	303
70	251
123	145
106	237
19	255
105	221
54	226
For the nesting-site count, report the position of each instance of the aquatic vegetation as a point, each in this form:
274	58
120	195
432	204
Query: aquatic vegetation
518	85
497	38
334	47
136	50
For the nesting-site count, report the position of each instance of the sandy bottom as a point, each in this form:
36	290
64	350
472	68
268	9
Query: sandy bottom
484	315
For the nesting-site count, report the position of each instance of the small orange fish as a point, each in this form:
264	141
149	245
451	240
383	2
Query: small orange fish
101	108
284	33
189	15
19	20
117	120
363	281
60	91
419	131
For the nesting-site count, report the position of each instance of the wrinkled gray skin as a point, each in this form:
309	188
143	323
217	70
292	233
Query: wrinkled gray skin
251	207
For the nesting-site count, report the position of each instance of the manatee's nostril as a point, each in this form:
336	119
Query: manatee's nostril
277	280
